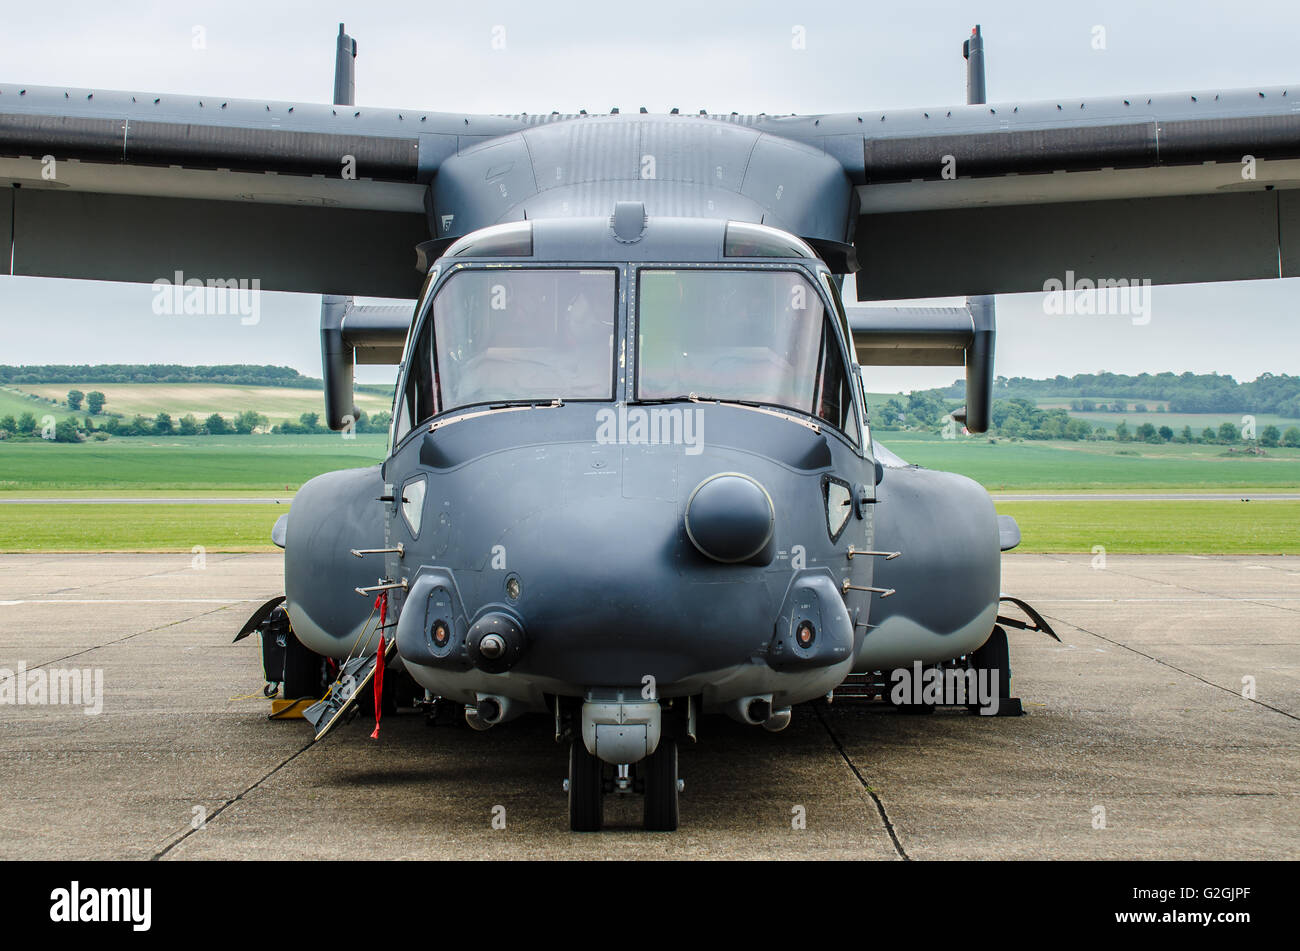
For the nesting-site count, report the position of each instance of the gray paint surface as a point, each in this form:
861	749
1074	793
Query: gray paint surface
1166	240
128	238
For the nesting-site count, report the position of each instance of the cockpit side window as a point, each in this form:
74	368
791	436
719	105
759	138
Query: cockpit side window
418	399
835	389
500	334
515	334
837	378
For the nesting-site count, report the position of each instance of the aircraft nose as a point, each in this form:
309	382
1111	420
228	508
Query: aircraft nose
730	518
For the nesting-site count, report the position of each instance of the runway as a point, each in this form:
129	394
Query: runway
1138	743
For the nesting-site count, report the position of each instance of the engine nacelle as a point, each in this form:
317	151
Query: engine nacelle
331	515
947	581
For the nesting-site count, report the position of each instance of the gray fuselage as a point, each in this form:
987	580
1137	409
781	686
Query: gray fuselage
713	542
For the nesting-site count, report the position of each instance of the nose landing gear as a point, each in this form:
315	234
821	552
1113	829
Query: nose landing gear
655	776
661	788
586	787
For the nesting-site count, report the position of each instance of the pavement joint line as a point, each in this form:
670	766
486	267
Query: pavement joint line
880	806
236	555
158	574
1186	587
1286	568
158	856
125	637
1165	663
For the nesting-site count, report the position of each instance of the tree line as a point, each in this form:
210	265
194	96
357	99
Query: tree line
235	374
1278	394
926	410
238	374
26	425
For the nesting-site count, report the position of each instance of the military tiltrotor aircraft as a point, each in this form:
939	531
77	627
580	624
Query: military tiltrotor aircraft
631	477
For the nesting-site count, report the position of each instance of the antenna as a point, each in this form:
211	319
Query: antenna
345	70
973	50
336	353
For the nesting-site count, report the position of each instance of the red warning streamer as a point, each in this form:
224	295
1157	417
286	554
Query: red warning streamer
381	604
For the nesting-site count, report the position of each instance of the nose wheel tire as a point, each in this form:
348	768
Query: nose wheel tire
586	790
995	657
661	788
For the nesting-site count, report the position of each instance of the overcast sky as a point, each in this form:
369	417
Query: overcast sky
719	56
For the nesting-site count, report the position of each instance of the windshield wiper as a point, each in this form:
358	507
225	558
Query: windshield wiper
507	404
486	409
685	398
696	398
772	409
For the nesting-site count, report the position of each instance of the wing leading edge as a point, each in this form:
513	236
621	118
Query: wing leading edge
971	199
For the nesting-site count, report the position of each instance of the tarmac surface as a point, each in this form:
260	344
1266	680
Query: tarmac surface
1137	719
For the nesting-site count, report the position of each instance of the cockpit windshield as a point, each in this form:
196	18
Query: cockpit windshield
524	334
752	335
531	334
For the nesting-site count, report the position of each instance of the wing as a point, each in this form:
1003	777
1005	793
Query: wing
134	187
934	336
967	200
999	198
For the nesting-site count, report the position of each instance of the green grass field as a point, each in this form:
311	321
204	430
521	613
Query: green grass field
262	464
1082	466
1193	528
1118	527
278	465
14	402
277	403
72	527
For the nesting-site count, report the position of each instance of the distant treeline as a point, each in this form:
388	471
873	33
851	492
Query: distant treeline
1185	392
238	374
235	374
1020	418
26	426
